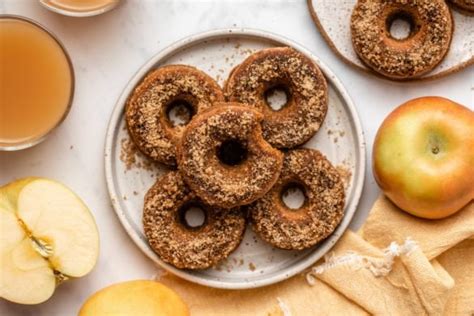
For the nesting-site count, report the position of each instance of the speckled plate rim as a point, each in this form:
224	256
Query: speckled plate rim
334	81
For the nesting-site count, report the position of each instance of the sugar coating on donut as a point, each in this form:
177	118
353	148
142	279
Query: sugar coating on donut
175	243
406	58
306	108
320	214
220	184
146	115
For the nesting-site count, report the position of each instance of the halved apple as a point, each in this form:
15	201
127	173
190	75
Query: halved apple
47	235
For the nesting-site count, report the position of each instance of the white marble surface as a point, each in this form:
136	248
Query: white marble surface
107	50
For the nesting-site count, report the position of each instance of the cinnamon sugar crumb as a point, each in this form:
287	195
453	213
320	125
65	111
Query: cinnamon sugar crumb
133	158
128	153
345	174
252	267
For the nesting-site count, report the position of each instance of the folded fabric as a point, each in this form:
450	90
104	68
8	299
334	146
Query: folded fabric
459	263
386	223
367	281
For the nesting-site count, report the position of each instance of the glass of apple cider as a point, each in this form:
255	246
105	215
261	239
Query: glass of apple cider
36	82
80	8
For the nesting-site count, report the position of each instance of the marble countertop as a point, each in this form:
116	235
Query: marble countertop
107	50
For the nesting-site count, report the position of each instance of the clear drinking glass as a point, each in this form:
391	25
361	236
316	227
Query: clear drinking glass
32	102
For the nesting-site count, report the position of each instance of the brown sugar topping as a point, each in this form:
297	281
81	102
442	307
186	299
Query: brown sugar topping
175	243
320	214
426	46
306	108
146	112
215	182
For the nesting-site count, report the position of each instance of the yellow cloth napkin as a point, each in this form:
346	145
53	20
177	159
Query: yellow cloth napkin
435	276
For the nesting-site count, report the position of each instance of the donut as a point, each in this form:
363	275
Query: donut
224	158
282	68
147	110
431	29
174	240
321	212
467	5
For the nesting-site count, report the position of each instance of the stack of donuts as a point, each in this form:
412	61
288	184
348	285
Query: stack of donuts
235	157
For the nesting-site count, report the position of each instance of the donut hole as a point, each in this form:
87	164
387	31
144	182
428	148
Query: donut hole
277	97
232	152
179	112
192	216
293	196
401	25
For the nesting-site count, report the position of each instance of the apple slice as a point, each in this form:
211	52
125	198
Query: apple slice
26	277
48	235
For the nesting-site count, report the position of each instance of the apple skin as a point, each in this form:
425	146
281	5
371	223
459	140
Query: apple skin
423	157
139	297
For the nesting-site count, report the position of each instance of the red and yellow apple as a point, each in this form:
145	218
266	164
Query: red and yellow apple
423	157
140	297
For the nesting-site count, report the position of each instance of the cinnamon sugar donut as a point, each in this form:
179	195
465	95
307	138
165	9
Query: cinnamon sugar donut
322	211
177	243
305	87
224	158
148	108
425	47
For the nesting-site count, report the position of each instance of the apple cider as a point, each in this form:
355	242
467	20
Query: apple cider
36	83
80	5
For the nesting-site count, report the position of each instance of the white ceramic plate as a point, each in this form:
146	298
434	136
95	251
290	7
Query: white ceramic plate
255	263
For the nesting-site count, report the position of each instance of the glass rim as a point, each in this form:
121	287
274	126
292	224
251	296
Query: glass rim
80	14
36	140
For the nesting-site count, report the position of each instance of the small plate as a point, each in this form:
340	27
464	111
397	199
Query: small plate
255	263
332	18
